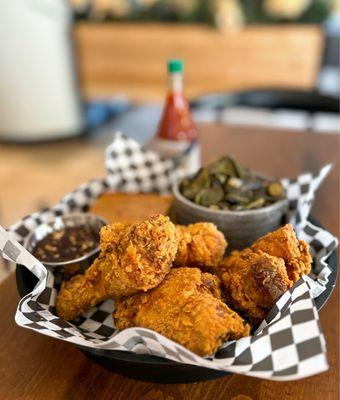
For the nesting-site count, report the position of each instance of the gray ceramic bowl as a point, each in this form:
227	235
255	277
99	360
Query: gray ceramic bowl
241	228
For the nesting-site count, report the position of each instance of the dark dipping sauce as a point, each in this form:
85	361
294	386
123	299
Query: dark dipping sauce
67	244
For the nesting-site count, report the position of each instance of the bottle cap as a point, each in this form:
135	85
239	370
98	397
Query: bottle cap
175	65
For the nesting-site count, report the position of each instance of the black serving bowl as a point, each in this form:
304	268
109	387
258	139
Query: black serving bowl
155	369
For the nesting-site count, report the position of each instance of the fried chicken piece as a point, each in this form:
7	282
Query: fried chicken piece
133	258
283	243
256	277
187	308
200	245
253	282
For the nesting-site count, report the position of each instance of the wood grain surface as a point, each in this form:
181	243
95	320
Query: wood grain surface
130	58
33	366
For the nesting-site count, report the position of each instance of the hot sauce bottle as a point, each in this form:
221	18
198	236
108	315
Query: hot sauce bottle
177	131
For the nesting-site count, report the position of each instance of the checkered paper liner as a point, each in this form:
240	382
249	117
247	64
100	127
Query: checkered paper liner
288	344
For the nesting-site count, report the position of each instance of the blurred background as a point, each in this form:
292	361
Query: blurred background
266	62
73	72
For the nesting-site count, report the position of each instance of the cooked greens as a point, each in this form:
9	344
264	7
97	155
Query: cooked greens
227	185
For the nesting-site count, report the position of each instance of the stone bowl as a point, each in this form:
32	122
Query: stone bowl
241	228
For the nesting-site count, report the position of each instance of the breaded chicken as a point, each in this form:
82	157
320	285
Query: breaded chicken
133	258
200	245
253	279
283	243
252	282
187	308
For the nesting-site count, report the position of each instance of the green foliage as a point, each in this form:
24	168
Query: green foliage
316	13
202	11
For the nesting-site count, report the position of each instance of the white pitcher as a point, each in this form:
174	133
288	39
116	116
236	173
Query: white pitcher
39	98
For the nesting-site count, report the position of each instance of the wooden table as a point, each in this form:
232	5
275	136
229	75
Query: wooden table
33	366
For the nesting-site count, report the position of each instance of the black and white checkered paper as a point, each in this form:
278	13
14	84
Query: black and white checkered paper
288	344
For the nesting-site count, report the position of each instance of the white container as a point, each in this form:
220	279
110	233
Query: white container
39	98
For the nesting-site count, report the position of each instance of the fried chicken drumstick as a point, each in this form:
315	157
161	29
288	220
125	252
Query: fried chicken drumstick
133	258
200	245
253	279
187	308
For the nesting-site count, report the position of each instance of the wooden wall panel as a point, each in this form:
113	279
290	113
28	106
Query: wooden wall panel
130	58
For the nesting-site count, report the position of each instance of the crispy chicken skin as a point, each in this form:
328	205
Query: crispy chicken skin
187	308
133	258
253	279
283	243
200	245
253	282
